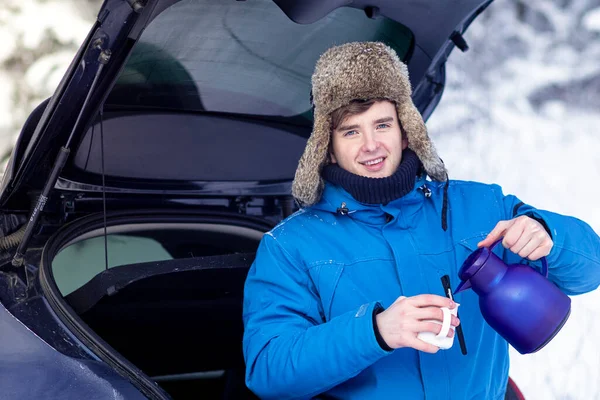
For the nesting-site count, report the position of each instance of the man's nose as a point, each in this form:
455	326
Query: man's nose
370	143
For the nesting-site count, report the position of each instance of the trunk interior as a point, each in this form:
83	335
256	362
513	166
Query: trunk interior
167	295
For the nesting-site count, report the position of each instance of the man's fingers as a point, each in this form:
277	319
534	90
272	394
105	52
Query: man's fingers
525	237
428	300
513	234
541	251
420	345
435	313
530	247
521	241
496	233
427	313
427	326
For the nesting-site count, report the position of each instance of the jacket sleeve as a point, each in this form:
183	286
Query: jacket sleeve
289	351
574	261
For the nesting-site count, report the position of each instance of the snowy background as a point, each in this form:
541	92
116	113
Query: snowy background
521	108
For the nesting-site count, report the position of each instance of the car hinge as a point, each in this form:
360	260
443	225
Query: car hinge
63	154
459	40
137	5
240	204
437	86
68	204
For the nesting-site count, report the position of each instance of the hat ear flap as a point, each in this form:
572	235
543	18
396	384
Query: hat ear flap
418	140
308	184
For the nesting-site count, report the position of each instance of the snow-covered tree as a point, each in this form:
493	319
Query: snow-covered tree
40	38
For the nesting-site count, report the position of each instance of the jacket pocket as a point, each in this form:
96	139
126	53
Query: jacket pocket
447	263
470	243
345	287
464	247
325	278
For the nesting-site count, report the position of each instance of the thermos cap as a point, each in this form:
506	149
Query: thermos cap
473	263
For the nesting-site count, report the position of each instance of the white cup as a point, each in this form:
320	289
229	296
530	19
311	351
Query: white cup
441	340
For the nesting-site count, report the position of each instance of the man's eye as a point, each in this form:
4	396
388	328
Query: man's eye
350	133
383	126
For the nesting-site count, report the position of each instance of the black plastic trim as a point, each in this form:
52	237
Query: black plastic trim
118	278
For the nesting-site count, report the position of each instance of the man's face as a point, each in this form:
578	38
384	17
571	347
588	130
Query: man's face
369	144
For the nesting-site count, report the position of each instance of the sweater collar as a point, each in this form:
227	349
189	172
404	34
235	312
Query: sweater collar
377	190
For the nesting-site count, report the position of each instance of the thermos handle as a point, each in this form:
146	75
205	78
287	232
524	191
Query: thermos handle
544	263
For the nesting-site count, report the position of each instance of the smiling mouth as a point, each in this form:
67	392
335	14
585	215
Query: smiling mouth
373	162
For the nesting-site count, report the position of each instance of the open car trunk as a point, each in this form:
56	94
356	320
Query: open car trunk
170	301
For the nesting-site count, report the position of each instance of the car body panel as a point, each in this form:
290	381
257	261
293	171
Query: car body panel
431	21
32	369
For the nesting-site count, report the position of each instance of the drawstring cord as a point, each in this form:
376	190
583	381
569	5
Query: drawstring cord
445	205
427	193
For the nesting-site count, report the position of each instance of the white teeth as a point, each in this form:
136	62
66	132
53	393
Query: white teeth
373	162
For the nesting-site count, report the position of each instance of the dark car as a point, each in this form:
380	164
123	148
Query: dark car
137	194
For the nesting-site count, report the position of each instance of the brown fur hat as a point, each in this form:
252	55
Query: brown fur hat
359	71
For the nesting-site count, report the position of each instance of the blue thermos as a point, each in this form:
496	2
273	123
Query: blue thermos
518	302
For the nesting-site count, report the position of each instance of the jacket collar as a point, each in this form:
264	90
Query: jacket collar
338	201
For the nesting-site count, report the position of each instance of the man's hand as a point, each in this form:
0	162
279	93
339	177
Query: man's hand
401	322
523	236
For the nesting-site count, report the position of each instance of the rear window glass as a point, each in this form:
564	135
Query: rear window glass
242	57
80	261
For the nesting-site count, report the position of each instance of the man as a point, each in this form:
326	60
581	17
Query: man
340	290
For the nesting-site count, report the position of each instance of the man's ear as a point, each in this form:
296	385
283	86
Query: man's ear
332	157
404	136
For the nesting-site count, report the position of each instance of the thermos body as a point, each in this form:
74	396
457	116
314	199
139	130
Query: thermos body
518	302
527	312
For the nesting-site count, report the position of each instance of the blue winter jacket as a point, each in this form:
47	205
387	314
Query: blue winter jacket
310	294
